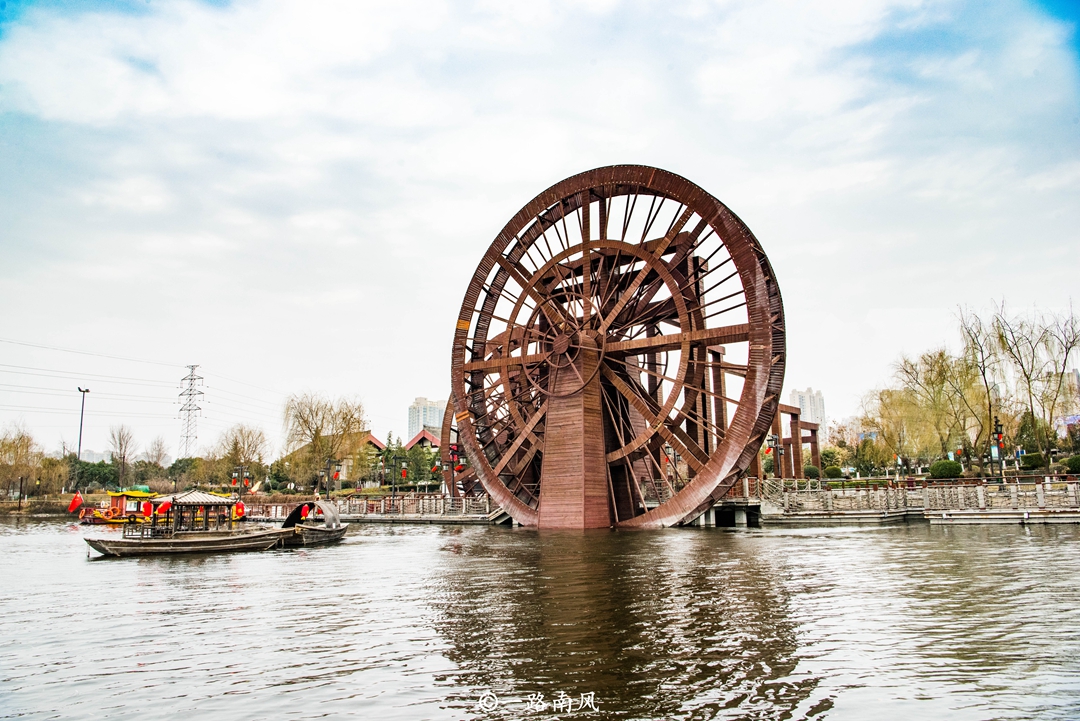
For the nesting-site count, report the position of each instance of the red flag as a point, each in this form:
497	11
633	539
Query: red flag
75	502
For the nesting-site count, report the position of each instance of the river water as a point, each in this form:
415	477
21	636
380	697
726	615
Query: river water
420	622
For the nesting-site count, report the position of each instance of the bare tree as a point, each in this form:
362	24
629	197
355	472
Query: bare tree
981	355
322	429
157	452
122	445
1054	388
243	445
1039	348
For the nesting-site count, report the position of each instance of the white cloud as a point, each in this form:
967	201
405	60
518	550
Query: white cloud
314	183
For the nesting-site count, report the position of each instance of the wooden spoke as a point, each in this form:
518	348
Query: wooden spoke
673	341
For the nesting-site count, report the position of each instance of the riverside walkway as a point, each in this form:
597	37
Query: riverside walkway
773	502
1031	499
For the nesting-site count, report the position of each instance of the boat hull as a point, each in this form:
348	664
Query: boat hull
188	543
306	535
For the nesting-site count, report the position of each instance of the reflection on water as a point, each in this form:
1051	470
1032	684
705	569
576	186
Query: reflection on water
655	624
417	622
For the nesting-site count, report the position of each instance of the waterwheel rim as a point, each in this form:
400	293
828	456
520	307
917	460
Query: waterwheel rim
651	283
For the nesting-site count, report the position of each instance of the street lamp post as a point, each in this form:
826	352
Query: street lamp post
999	447
404	465
241	477
773	442
82	412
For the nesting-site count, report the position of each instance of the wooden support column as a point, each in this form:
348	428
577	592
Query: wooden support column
778	431
796	447
705	435
815	450
575	492
719	389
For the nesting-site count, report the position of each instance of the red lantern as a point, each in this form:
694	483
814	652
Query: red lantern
234	480
404	473
165	506
304	512
147	509
239	509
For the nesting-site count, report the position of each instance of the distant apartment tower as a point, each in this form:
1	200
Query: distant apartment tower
426	414
812	406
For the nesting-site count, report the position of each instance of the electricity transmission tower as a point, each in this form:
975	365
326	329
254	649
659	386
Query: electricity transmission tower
189	412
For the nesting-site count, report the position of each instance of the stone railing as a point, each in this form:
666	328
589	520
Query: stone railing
1050	492
403	505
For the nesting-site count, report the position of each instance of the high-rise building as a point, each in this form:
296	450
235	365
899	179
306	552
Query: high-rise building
426	414
811	405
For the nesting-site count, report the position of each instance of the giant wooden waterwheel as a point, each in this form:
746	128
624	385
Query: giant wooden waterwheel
619	353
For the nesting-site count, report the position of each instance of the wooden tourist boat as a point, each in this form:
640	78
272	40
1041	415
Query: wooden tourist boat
124	506
312	534
182	524
139	544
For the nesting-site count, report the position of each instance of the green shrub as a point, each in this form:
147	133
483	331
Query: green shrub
811	471
833	472
945	469
1031	461
1073	464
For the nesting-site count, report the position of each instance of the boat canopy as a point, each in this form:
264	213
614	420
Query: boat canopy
196	498
331	516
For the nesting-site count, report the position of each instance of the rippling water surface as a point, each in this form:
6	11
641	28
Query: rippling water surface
417	622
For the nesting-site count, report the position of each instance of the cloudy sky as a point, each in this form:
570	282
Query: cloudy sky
295	195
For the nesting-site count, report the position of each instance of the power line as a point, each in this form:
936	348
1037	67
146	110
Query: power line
83	352
251	399
61	394
76	376
38	409
245	383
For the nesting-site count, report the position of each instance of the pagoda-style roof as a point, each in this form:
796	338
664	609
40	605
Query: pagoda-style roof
424	436
197	498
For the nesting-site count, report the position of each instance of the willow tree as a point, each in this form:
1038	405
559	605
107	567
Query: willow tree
319	431
20	457
933	384
1038	348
